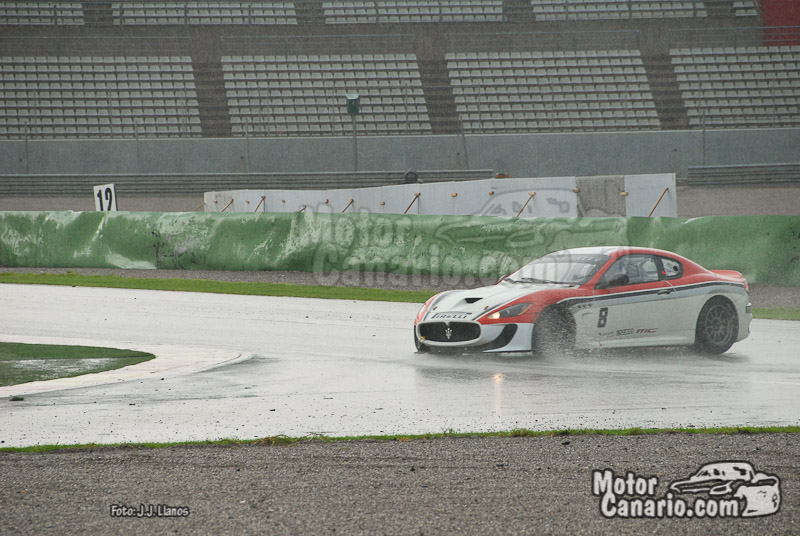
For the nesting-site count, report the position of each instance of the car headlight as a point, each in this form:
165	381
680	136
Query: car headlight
426	305
518	309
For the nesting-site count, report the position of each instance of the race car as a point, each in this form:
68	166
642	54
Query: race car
589	298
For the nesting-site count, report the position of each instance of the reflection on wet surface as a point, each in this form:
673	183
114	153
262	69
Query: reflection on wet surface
354	371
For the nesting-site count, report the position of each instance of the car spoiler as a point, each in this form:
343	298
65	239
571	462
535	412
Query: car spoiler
732	275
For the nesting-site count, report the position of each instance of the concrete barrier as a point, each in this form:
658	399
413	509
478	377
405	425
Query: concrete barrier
765	248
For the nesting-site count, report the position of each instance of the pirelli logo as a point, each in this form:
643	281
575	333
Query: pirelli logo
450	316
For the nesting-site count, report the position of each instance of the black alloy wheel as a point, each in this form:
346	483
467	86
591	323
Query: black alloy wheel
717	326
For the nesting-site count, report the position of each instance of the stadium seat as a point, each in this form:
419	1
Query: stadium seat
740	86
568	86
313	87
83	88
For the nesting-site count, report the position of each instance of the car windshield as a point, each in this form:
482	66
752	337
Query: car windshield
565	268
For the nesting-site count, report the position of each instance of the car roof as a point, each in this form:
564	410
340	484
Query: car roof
616	251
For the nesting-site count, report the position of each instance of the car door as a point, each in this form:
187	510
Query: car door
631	306
685	303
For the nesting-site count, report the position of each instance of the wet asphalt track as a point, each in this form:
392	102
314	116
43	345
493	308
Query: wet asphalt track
272	366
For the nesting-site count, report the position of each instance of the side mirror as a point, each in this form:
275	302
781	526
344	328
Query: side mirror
616	281
619	280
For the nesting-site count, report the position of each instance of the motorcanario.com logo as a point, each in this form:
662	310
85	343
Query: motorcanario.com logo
717	490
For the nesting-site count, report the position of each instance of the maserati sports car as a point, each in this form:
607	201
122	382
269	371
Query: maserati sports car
593	297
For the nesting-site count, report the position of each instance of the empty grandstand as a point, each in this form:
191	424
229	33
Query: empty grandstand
259	68
200	13
561	90
739	86
80	96
302	94
99	71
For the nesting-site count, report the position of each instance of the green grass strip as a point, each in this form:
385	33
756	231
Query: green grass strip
777	313
13	350
219	287
22	363
285	440
272	289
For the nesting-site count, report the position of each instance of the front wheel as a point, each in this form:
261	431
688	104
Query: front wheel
421	348
553	332
717	326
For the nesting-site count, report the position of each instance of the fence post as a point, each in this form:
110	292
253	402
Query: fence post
416	196
657	202
530	196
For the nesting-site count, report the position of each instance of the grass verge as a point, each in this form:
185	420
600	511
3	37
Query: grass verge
285	440
271	289
219	287
22	363
777	313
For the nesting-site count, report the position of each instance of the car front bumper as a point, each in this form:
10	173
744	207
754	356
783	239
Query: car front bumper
475	337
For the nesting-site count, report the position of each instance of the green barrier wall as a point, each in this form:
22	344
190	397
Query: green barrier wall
766	249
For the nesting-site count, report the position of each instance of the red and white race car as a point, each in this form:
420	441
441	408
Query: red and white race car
594	297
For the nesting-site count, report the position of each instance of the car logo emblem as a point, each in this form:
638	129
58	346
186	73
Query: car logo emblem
448	333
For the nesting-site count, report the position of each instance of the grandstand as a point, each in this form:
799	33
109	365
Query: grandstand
301	94
211	70
100	96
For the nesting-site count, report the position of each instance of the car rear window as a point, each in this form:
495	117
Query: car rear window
672	268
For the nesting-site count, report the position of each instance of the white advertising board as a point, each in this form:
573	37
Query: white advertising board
550	197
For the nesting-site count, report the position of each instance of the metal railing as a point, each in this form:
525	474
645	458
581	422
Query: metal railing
95	46
528	41
255	12
317	44
733	37
191	183
751	174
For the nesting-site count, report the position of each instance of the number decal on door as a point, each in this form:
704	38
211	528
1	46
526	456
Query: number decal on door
603	318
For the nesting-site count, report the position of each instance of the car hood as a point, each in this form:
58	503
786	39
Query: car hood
472	303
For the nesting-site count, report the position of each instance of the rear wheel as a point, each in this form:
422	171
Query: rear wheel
717	326
553	332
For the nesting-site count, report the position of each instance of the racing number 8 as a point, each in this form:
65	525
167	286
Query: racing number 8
601	321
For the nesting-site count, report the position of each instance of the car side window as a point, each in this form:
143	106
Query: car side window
638	269
672	269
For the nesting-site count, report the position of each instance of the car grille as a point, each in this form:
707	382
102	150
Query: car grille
459	331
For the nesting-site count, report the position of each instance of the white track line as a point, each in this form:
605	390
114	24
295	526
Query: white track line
169	361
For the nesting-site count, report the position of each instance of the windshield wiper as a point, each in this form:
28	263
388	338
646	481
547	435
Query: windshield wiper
537	280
